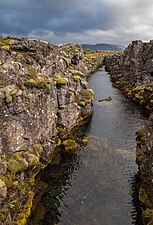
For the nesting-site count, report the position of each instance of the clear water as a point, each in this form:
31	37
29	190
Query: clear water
97	186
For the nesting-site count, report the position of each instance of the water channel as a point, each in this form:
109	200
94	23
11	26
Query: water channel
98	186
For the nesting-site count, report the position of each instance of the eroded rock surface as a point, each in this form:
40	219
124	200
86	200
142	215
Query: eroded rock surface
132	72
43	95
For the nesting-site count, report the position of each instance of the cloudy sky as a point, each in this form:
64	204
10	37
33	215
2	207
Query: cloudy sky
82	21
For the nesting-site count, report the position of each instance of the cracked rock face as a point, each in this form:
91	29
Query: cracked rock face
132	72
43	95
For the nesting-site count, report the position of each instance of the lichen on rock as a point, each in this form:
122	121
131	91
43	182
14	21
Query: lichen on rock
44	94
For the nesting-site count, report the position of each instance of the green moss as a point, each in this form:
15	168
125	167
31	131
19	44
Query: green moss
31	159
36	149
116	84
40	81
147	213
84	83
3	156
143	197
3	212
89	94
6	48
142	102
22	217
148	89
4	42
58	141
140	133
88	51
8	180
69	144
60	130
138	89
81	103
11	91
17	165
61	80
85	140
32	73
76	78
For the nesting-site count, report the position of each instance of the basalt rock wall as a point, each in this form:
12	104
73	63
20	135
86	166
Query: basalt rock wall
132	72
43	94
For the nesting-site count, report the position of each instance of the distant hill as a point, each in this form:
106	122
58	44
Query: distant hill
102	46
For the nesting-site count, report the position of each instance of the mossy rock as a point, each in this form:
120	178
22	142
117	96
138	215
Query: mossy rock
81	103
138	89
84	83
76	78
85	140
4	42
140	133
58	142
147	215
69	145
142	102
8	180
151	102
60	129
89	94
6	48
61	80
3	212
143	197
22	217
32	73
31	159
41	81
3	167
11	91
17	165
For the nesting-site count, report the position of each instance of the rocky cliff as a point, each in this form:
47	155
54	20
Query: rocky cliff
43	94
132	72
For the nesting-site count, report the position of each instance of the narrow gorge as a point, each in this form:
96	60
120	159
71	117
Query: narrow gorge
44	97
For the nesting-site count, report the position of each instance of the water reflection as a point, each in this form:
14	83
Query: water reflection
136	210
57	176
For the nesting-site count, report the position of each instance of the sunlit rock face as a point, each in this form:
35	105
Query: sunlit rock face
132	72
43	95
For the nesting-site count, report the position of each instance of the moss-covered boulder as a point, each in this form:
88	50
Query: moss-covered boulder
70	145
17	165
61	80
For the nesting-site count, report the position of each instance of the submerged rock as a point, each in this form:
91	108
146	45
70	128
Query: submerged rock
106	99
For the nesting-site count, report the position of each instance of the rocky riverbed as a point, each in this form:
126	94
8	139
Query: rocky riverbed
44	94
132	72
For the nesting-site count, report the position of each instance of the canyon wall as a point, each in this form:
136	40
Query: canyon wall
132	72
44	94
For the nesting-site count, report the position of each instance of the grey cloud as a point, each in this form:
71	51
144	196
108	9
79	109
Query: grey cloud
114	21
